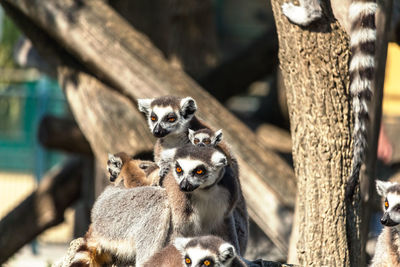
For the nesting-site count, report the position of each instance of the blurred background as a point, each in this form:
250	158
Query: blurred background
31	100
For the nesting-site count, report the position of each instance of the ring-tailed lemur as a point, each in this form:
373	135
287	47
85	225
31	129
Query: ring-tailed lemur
134	223
169	118
362	45
203	251
387	250
131	172
205	137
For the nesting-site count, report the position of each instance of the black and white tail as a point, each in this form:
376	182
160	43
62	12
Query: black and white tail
362	44
362	64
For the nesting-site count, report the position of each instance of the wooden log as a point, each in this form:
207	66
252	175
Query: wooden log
62	134
254	62
43	209
274	138
126	60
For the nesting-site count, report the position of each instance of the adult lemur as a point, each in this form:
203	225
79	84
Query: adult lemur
204	251
134	223
387	250
169	119
362	44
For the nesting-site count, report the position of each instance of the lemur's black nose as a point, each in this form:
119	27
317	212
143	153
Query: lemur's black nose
159	131
387	221
185	186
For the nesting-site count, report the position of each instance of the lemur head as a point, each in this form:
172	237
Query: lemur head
198	167
114	165
168	114
205	251
391	206
205	137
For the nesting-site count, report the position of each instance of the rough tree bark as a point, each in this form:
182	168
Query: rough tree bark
124	58
314	63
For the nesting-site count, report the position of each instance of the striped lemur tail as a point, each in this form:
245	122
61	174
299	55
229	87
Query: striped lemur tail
362	45
362	67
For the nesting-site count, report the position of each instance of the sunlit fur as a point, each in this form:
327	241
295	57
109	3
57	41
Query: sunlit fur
134	223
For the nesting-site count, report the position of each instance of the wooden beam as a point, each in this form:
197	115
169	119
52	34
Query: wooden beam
63	134
122	57
43	209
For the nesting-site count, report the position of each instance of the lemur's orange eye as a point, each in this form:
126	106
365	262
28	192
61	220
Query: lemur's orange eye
187	260
386	204
199	171
207	141
178	169
171	119
196	141
153	118
207	263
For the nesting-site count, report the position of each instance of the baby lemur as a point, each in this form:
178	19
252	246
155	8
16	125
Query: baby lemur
131	172
169	119
134	223
387	250
204	251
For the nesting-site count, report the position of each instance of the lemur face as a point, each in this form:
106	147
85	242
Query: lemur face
205	251
391	206
168	114
114	165
205	137
198	167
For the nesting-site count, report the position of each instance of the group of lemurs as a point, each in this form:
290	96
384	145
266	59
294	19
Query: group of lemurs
186	208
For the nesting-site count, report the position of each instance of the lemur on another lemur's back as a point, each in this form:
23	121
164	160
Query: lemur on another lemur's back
131	172
133	223
362	45
203	251
169	119
387	249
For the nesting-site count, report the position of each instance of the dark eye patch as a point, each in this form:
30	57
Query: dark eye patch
153	116
171	117
200	170
397	207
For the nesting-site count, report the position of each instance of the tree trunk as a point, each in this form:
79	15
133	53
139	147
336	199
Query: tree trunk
314	63
124	58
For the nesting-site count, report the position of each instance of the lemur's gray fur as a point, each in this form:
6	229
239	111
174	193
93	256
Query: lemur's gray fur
205	137
362	45
169	119
134	223
387	250
201	251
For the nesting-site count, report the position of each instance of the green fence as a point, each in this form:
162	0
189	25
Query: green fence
21	107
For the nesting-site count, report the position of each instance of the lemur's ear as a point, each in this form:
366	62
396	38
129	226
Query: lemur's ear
226	252
144	105
381	187
181	242
191	135
217	138
219	159
188	107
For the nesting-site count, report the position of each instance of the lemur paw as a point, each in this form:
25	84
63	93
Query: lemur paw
300	15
